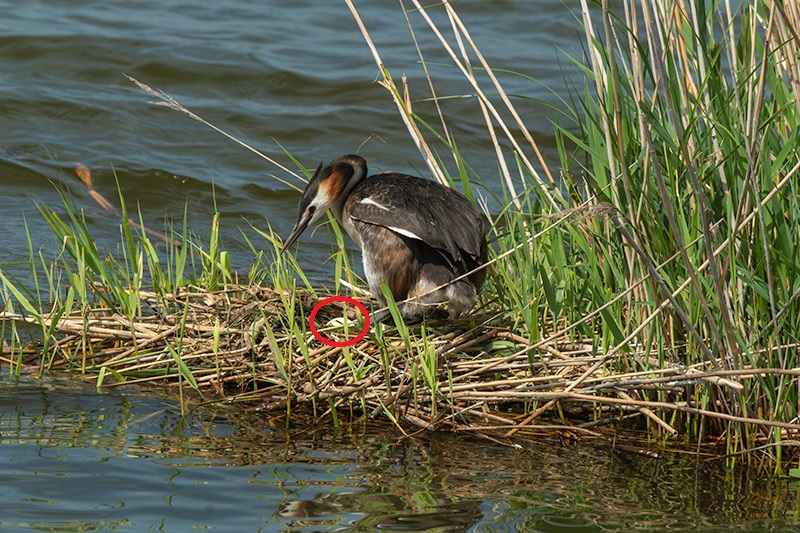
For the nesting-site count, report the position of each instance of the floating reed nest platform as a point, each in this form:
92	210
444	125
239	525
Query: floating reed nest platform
472	374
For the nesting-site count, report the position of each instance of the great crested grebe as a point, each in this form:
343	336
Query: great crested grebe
415	235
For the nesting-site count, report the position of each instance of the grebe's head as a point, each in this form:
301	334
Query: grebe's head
328	189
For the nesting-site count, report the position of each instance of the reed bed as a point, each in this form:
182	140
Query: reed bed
232	345
672	216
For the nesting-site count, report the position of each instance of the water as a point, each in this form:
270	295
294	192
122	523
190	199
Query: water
290	72
296	73
74	459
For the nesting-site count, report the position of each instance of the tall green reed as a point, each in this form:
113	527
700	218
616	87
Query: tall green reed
671	237
689	129
85	280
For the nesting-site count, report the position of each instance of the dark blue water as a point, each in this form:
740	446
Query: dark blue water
73	459
289	74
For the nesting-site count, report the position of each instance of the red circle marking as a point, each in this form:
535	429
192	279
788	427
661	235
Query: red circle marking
326	301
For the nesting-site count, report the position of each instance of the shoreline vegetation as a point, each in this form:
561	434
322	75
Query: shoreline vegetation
651	277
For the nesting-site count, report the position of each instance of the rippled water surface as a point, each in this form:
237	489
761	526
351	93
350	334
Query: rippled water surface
294	74
73	459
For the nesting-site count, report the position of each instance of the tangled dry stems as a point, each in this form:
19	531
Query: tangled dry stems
236	345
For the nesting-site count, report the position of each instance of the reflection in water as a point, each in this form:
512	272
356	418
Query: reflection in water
75	459
375	511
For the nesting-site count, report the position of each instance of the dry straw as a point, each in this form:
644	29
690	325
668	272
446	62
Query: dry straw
227	353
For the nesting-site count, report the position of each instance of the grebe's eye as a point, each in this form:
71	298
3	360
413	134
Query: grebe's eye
311	209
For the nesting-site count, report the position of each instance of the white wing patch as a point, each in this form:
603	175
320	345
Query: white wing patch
370	201
401	231
405	233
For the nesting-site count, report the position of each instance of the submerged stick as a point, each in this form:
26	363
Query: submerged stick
85	175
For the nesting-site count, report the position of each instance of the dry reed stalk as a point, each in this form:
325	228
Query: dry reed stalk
165	100
403	102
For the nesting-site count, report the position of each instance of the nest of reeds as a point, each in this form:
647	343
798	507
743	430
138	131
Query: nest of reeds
253	344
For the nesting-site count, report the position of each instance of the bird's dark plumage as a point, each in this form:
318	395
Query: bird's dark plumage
422	208
415	234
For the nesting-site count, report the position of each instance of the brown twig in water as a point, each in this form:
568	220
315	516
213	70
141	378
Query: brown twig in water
85	175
